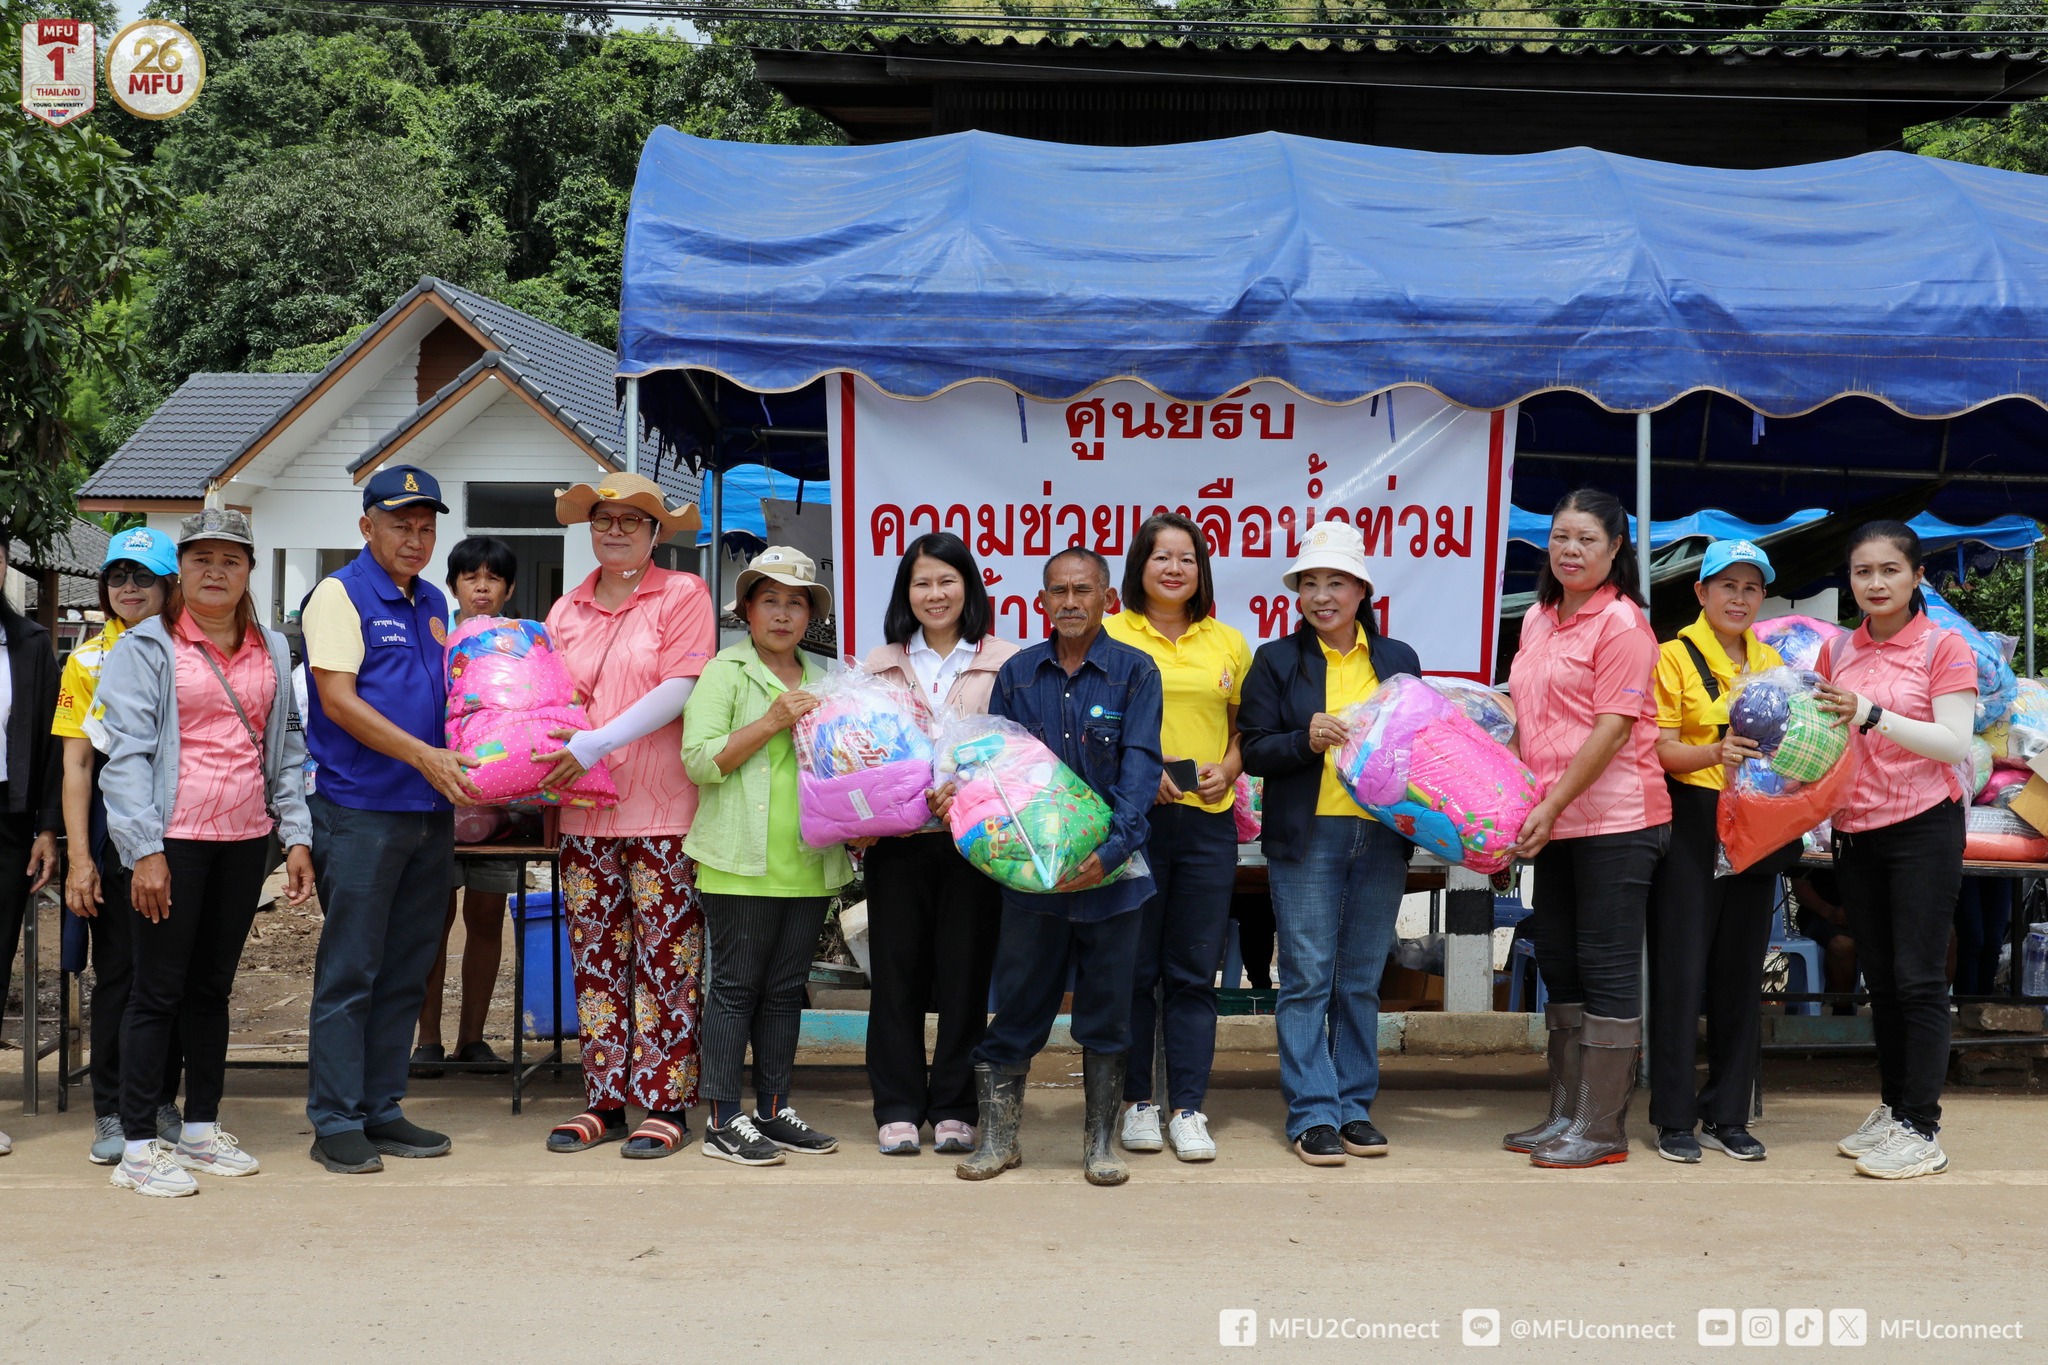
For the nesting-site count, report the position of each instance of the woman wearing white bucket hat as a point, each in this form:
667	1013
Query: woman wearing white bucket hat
1336	873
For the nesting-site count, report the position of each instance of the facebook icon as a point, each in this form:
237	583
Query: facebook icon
1237	1327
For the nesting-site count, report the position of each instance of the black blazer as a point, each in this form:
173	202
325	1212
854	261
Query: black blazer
1287	685
35	777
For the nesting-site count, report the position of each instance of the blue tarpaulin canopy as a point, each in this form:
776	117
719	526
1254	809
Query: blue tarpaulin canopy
2006	533
1335	268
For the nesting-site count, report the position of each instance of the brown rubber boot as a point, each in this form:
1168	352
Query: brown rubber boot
1102	1078
1565	1022
1598	1133
1000	1095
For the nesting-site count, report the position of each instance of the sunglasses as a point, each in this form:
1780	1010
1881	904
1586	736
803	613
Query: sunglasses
140	577
628	522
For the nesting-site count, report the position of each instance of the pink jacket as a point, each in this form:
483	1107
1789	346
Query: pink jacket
971	689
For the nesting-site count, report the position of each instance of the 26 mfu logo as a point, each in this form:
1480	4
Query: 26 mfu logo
155	69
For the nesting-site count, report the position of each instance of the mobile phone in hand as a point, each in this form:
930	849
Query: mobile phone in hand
1184	773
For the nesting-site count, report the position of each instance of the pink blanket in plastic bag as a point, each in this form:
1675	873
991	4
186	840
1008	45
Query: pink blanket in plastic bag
507	689
864	761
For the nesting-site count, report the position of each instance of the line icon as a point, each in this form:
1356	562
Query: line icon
1482	1327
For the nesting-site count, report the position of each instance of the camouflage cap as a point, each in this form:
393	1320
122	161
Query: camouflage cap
216	523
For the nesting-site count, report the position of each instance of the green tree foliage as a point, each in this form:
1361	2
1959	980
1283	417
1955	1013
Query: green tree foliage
75	213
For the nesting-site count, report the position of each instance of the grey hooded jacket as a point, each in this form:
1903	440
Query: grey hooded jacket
138	688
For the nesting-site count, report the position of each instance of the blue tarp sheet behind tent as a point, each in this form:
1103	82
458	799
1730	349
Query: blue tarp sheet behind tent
2006	533
1339	269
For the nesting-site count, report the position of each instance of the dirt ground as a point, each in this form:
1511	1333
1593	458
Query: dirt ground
503	1251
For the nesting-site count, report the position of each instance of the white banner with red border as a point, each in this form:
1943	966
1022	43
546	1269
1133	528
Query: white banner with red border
1426	483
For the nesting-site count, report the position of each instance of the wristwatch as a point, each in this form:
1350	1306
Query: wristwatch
1870	722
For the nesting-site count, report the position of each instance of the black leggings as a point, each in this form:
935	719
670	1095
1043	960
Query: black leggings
760	950
1899	886
112	933
1588	921
184	972
1707	937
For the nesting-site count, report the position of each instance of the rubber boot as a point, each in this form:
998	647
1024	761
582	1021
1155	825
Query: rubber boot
1000	1095
1102	1078
1565	1022
1598	1133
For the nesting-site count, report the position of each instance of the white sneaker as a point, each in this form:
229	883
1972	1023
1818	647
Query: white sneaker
1873	1131
155	1174
6	1144
1141	1129
1902	1155
218	1155
1190	1135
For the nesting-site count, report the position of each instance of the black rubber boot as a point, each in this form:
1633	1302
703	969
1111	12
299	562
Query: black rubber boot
1598	1132
1565	1021
1000	1095
1102	1077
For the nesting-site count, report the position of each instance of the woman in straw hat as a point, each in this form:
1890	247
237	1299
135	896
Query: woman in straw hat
765	890
635	637
1337	874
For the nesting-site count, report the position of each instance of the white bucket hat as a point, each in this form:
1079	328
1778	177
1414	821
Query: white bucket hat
1331	545
787	566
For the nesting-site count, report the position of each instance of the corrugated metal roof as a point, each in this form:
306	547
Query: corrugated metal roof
193	433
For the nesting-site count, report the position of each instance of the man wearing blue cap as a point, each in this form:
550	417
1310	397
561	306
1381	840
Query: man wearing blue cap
1707	934
383	821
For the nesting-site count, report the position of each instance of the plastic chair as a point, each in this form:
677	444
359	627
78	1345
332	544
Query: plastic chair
1799	950
1518	967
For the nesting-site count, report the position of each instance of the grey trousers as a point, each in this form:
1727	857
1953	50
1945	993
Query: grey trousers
760	948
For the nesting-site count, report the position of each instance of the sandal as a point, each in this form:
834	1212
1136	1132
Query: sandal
425	1064
588	1129
655	1138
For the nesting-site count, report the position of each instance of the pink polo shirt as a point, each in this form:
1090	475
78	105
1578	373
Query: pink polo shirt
664	630
1903	675
1565	676
220	770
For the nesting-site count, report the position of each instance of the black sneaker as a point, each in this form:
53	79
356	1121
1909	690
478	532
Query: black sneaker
1678	1144
792	1134
403	1137
347	1153
1320	1146
742	1143
1360	1138
1733	1139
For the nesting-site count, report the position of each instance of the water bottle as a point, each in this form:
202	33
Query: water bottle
2034	971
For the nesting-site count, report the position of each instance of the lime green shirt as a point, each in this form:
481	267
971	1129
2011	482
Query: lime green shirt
746	837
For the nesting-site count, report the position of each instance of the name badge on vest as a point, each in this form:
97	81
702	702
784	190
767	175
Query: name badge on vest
384	630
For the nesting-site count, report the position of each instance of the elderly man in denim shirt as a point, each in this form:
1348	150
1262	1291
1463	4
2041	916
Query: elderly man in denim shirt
1095	703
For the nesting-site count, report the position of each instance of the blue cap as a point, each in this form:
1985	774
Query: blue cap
402	485
1722	553
153	550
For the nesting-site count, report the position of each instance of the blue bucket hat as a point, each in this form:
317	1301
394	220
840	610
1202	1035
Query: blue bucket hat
1723	553
151	549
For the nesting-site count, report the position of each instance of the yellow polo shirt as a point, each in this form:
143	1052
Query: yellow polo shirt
1201	676
1682	703
1351	680
79	714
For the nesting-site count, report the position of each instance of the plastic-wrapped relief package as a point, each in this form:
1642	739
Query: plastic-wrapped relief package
508	691
1019	814
865	761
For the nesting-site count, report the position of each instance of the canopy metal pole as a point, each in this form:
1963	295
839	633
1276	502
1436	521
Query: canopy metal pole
633	424
1643	570
2030	611
717	541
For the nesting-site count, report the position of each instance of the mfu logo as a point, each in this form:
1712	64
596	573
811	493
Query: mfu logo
56	69
1237	1327
155	69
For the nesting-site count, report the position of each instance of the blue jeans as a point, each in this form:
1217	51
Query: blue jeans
383	878
1334	909
1193	854
1033	955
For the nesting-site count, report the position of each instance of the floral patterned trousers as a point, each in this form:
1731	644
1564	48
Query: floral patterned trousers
636	933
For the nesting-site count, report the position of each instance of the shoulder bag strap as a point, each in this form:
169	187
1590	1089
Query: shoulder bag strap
248	728
1699	661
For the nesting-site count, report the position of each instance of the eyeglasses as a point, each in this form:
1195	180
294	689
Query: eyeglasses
628	522
140	577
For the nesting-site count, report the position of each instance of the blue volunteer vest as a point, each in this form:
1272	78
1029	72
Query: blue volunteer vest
402	677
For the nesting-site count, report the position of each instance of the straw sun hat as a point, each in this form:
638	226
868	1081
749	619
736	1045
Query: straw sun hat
574	504
783	565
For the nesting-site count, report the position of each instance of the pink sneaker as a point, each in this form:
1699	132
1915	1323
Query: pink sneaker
897	1139
952	1136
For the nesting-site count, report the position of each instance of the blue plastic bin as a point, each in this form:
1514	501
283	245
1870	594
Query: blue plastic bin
541	926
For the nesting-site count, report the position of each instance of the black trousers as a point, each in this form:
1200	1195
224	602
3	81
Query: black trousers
112	934
1899	886
1032	963
760	949
932	926
17	834
184	972
1587	923
1708	936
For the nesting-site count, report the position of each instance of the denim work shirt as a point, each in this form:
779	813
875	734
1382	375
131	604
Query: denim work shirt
1103	722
